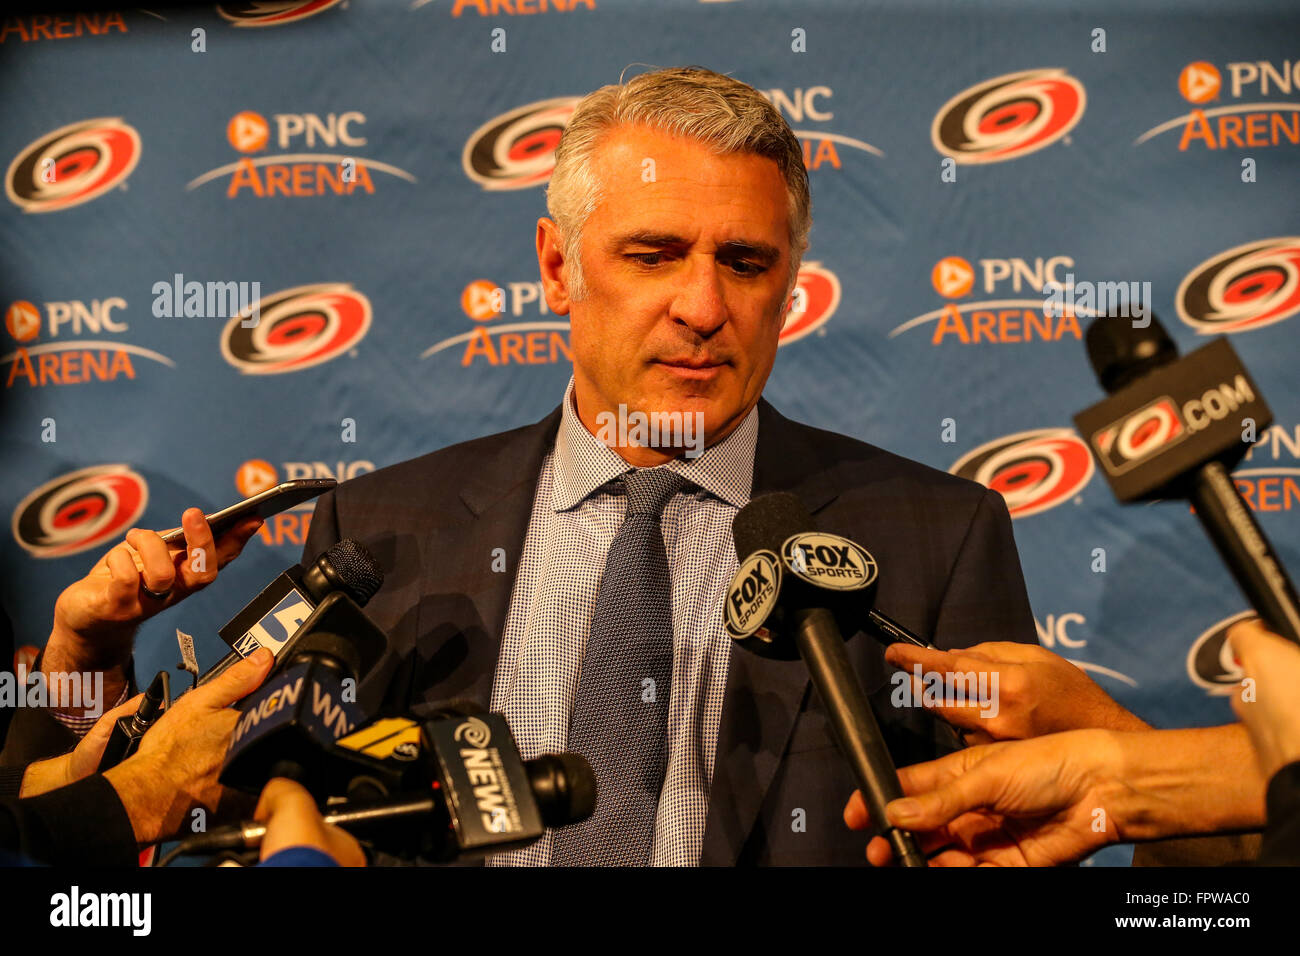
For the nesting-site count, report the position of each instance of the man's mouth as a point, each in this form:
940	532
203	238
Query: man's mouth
692	363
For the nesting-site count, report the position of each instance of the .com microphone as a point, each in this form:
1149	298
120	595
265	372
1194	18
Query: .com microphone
1172	428
276	614
801	584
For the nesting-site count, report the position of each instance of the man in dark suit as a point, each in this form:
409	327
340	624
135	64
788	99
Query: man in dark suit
681	212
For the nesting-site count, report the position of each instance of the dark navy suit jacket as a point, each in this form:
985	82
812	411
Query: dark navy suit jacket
948	570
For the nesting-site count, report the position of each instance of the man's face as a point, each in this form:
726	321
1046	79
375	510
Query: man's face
686	262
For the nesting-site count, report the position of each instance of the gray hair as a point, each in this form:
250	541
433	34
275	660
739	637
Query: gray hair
692	102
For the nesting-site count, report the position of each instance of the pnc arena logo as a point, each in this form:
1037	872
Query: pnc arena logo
1244	288
1268	478
73	165
1008	116
1033	470
292	172
272	13
34	27
530	342
510	8
819	146
813	302
79	511
70	361
290	527
297	329
999	320
1251	115
1210	662
516	150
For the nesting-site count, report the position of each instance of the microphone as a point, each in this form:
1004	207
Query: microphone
300	709
272	618
308	700
1172	427
472	793
802	584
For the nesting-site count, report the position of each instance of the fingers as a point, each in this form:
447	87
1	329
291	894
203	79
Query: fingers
90	749
280	794
292	819
1008	652
105	723
124	586
199	568
936	808
918	778
231	544
1250	639
237	682
157	570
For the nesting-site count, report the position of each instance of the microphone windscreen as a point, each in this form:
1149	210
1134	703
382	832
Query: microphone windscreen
1120	352
564	786
767	521
356	568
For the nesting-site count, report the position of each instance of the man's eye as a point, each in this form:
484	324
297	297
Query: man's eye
746	268
645	257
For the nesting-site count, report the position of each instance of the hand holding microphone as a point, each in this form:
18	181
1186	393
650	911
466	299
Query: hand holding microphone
179	759
289	812
793	588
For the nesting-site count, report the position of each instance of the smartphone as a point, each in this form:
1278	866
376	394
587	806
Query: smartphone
272	501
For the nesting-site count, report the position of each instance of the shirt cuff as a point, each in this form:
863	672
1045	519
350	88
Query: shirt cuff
80	724
299	856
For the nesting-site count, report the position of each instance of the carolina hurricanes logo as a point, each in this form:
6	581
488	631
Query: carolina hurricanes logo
816	297
80	511
297	328
271	13
1247	287
1033	470
516	150
72	165
1128	442
1008	116
1210	662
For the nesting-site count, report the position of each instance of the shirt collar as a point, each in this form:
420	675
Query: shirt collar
582	463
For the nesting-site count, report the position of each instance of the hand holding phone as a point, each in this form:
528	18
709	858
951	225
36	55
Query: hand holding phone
272	501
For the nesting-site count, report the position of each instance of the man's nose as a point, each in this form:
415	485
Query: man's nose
699	302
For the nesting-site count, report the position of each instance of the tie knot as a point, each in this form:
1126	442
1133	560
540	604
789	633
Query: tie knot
650	489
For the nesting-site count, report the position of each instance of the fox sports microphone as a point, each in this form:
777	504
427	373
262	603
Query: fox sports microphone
1172	428
272	618
812	581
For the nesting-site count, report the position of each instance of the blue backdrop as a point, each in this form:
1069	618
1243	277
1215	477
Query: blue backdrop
371	172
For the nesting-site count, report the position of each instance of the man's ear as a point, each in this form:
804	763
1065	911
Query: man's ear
550	262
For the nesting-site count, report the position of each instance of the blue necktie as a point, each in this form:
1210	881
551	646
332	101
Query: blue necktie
620	716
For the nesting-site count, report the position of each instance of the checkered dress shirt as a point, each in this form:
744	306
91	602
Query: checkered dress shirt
576	513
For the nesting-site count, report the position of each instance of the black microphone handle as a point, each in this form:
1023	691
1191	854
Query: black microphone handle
1244	549
219	668
249	835
855	723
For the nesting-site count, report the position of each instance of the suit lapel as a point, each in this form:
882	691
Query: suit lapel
499	497
763	696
